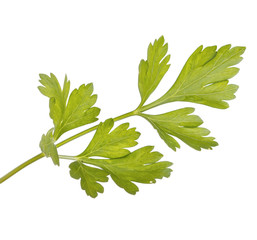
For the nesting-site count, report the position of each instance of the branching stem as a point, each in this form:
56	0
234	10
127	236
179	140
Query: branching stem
41	155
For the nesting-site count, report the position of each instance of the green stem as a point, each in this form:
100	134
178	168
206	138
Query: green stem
129	114
23	165
67	157
41	155
150	106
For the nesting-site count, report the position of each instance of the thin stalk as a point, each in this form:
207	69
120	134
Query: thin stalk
129	114
150	106
41	155
67	157
20	167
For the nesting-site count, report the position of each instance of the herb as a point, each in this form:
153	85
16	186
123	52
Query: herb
203	80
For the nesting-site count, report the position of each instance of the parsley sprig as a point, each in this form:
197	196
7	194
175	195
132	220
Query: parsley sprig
203	80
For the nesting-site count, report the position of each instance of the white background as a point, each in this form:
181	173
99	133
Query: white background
210	194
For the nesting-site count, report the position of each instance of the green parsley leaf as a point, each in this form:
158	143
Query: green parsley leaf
140	166
89	178
181	124
77	112
153	69
48	147
124	167
111	144
204	78
58	97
